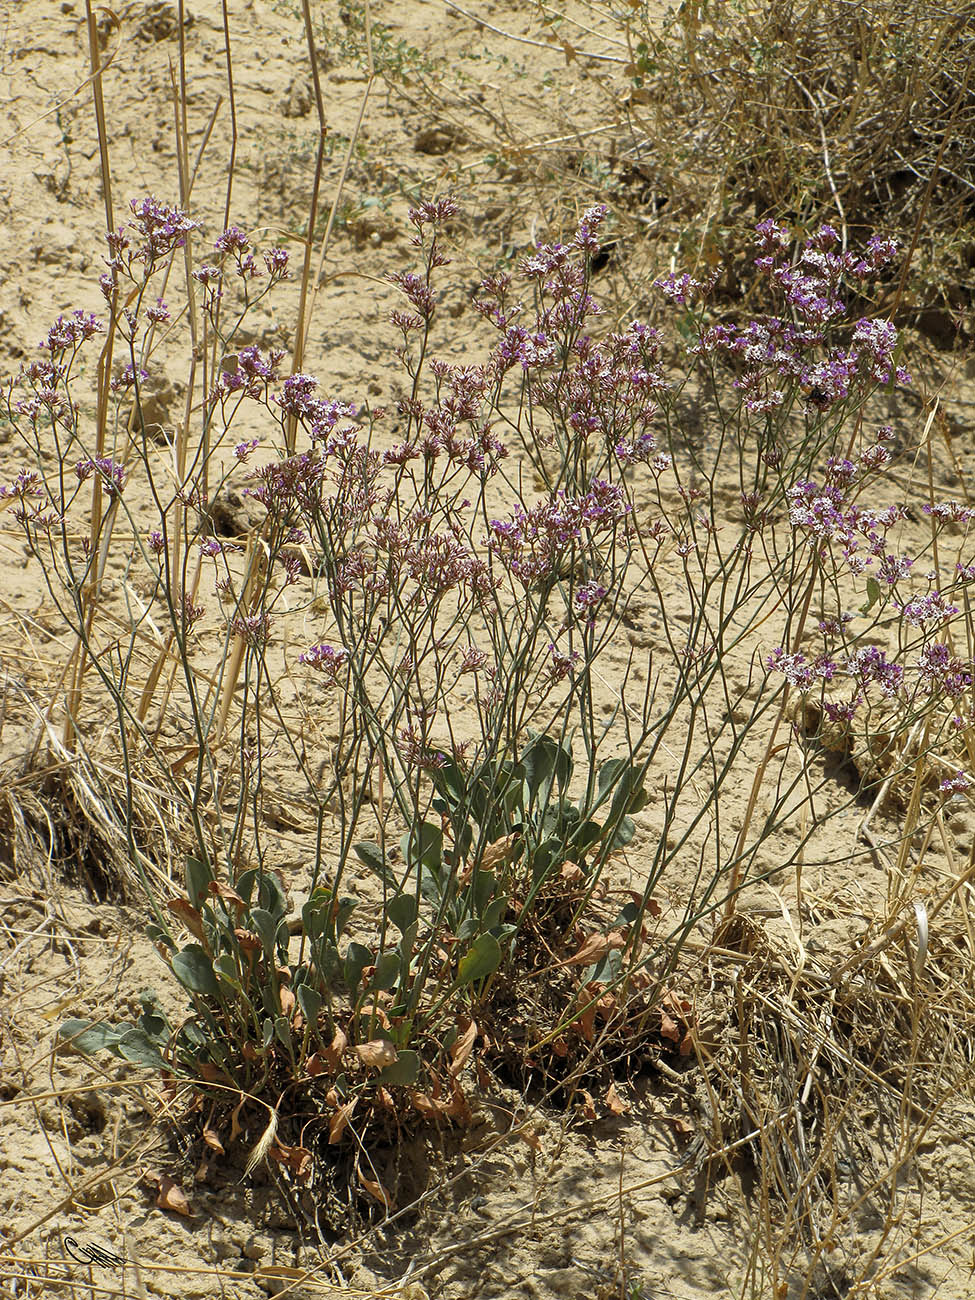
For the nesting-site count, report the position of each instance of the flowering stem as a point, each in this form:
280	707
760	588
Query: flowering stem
770	750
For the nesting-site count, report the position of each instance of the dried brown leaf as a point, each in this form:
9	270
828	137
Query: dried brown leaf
377	1053
375	1189
172	1197
461	1050
298	1159
212	1138
226	894
496	853
188	914
333	1054
587	1107
614	1101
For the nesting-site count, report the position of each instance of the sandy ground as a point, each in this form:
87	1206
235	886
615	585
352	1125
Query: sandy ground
604	1206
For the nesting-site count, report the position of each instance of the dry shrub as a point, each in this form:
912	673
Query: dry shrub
861	114
824	1087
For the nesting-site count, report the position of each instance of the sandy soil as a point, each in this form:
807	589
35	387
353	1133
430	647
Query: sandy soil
598	1206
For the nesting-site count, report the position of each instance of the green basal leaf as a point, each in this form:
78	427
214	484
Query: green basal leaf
226	970
423	844
310	1001
403	1071
267	926
89	1038
282	1031
482	959
198	877
387	970
873	595
494	911
136	1046
403	910
370	855
624	833
357	957
194	970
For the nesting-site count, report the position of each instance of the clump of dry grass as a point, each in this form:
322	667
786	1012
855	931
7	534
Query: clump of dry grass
858	114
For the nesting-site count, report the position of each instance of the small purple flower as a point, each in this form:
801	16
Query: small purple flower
159	313
472	660
156	542
163	229
928	609
233	240
127	377
958	784
561	665
208	276
244	449
415	753
870	664
842	711
26	484
797	669
326	660
434	213
950	512
254	629
71	332
276	261
112	474
587	597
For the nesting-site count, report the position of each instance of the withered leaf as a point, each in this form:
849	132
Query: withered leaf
461	1050
333	1054
189	915
212	1138
587	1107
226	894
615	1102
298	1159
496	853
378	1052
172	1197
375	1189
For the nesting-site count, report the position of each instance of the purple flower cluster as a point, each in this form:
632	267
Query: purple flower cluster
683	289
942	672
932	608
235	244
318	415
950	512
160	229
416	753
870	665
534	542
799	671
561	665
826	515
26	484
778	353
127	377
434	562
69	332
958	784
111	473
437	429
252	375
326	660
586	599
